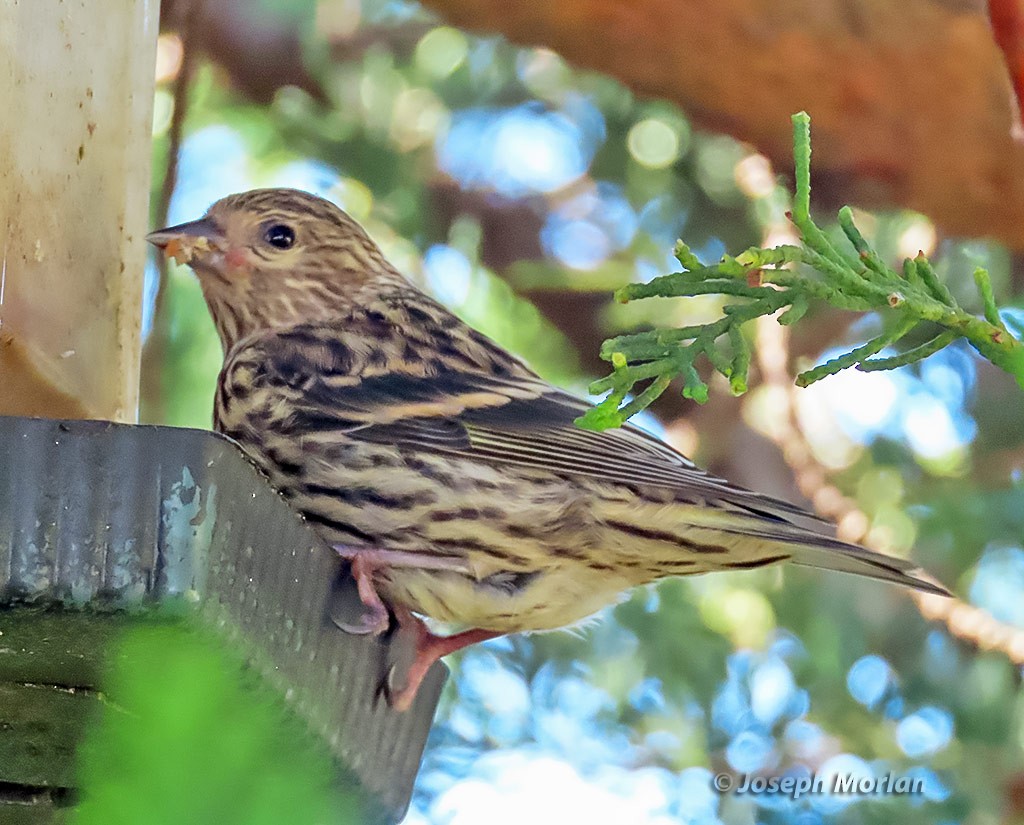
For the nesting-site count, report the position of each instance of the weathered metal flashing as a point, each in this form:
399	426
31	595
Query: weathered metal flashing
100	518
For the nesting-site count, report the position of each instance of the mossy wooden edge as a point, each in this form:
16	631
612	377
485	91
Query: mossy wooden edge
52	666
51	663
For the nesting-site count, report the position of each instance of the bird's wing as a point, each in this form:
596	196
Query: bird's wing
518	420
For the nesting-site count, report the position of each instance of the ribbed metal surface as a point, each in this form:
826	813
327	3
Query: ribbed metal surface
126	515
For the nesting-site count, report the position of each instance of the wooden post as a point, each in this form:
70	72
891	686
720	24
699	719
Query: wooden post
76	96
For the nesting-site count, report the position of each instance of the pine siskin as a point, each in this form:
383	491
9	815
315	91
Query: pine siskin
447	472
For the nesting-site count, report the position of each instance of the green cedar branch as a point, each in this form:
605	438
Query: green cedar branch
784	281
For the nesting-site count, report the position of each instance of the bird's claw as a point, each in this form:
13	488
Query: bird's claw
400	683
347	612
371	622
413	649
416	650
375	618
399	699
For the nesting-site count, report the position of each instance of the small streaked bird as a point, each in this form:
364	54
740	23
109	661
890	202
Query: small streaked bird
447	472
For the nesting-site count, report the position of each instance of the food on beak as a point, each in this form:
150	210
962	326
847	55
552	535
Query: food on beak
182	249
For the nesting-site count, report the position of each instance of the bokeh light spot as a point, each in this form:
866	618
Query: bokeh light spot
449	274
999	582
515	151
441	51
653	143
925	732
868	680
748	752
771	690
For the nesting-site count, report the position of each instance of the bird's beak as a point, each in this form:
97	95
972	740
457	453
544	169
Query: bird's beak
187	234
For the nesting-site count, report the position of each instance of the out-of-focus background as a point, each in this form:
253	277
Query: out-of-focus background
521	189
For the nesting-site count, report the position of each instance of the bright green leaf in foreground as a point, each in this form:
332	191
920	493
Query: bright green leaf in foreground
187	735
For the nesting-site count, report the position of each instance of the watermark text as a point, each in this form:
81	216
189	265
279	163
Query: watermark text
838	784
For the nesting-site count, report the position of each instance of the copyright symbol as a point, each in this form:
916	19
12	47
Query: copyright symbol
723	782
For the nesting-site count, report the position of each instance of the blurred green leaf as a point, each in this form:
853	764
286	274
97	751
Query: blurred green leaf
187	735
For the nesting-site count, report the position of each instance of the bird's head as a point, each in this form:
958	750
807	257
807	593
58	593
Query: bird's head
271	258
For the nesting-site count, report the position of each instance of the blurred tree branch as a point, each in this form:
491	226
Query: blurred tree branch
741	67
230	32
1007	18
971	624
154	349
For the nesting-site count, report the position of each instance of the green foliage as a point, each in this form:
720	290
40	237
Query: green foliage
767	281
190	343
188	736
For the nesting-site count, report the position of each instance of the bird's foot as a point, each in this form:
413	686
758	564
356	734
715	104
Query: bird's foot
375	619
401	689
418	654
365	562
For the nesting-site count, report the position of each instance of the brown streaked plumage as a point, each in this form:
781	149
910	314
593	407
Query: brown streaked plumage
449	473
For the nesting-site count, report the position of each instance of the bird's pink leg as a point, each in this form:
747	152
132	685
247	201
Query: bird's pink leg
429	649
429	646
402	558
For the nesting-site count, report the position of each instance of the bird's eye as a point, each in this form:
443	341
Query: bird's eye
279	235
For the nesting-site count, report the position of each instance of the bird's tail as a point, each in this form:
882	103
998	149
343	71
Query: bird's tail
741	532
812	549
